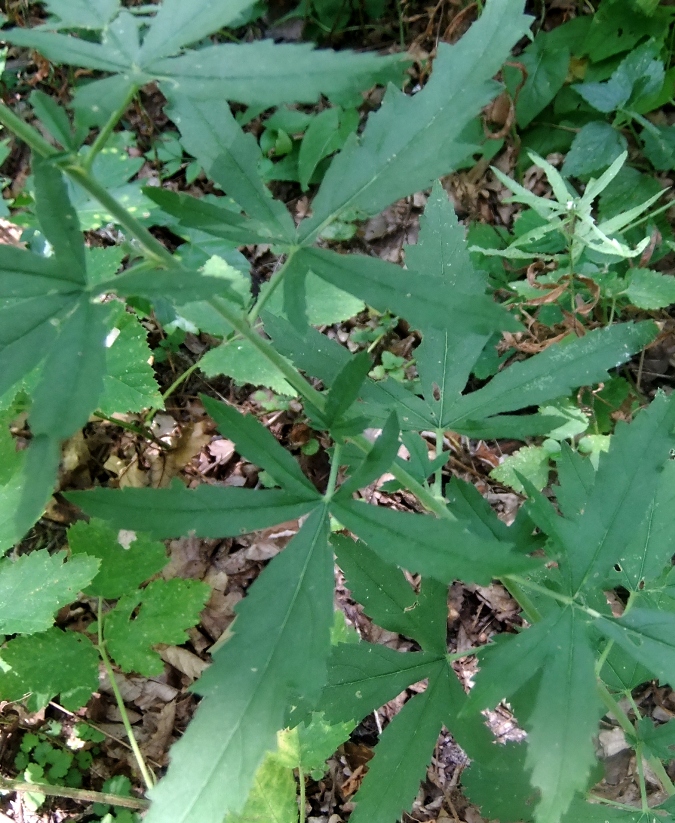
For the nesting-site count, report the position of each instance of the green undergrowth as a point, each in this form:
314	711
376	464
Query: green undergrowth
289	681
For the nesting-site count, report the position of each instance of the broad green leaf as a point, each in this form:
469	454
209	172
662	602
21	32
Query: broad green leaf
272	798
82	14
440	548
412	141
649	638
421	298
26	275
630	472
622	672
177	24
241	361
533	462
649	289
266	74
311	743
516	426
326	304
129	383
180	286
364	676
595	146
255	678
547	65
553	373
499	785
34	586
659	146
207	511
46	664
126	559
259	445
29	490
345	389
446	356
319	141
230	157
387	597
166	609
402	755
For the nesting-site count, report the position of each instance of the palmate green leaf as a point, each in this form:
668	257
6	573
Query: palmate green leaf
230	158
596	539
123	566
207	511
326	304
420	297
553	373
439	548
34	586
255	678
649	638
566	709
46	664
364	676
129	383
387	597
402	755
166	609
412	141
259	445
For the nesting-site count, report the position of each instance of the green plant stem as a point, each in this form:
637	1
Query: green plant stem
653	761
106	131
438	475
301	786
275	282
83	795
612	705
334	468
139	430
27	133
148	777
641	777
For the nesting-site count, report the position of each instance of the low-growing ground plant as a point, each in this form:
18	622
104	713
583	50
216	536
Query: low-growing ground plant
286	684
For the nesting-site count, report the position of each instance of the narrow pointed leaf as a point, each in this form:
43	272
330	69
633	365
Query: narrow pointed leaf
649	638
25	275
259	445
554	372
266	74
364	676
378	460
178	24
230	158
418	296
412	141
576	478
387	597
443	549
345	388
402	755
207	511
254	679
625	483
83	14
72	51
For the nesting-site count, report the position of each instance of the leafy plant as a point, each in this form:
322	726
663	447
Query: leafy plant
277	668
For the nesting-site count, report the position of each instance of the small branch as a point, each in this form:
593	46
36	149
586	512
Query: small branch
82	795
106	131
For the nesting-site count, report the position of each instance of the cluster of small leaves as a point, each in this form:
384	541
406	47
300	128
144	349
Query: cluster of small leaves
61	316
